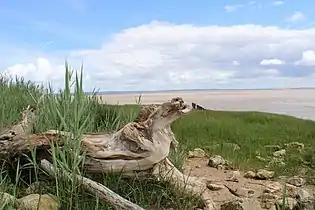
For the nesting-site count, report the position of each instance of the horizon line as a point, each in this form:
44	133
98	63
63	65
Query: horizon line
191	90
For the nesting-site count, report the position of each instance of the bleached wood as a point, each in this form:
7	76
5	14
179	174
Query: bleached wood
94	188
140	147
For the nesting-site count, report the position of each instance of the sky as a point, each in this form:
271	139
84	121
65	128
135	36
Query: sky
160	45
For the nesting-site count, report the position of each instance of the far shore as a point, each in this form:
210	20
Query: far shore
295	102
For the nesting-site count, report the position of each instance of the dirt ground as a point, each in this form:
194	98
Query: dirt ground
198	167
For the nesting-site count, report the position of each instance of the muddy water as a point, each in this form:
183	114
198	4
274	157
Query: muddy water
295	102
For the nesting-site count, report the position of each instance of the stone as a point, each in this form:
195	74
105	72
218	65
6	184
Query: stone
234	175
296	181
261	158
267	200
305	199
297	145
221	167
279	153
241	204
273	187
264	174
276	161
43	202
197	153
197	106
304	195
290	203
215	187
245	192
250	174
216	160
291	190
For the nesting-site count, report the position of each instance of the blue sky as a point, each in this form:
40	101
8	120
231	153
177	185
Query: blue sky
49	31
81	23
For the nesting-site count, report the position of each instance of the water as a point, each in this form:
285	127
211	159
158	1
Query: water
295	102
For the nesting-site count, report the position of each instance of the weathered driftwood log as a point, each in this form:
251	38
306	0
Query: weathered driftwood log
94	188
197	106
140	146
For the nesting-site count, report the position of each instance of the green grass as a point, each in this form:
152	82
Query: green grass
77	113
252	131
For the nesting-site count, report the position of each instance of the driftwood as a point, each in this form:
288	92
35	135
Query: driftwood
139	147
197	106
95	188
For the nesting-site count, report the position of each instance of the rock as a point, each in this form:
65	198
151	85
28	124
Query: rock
279	153
221	167
197	106
261	158
245	192
250	174
43	202
305	199
290	203
234	176
299	146
241	204
267	200
304	195
6	198
291	190
198	166
264	174
196	153
296	181
216	160
214	187
276	161
274	187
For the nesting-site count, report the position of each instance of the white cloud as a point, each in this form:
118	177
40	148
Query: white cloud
268	62
296	16
236	63
277	3
162	55
232	8
308	58
40	71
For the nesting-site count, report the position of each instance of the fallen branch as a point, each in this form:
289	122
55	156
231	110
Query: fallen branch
95	188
